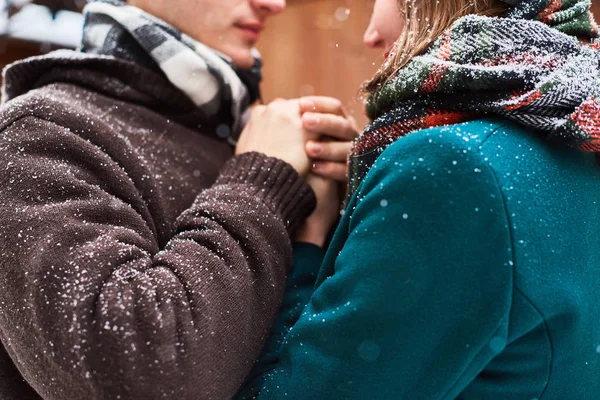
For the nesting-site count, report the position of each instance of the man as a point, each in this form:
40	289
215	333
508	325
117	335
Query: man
131	267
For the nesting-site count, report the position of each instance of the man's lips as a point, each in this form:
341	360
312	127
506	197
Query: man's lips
251	30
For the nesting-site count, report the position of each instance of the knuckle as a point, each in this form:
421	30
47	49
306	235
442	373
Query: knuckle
327	122
329	169
258	109
275	109
324	168
341	170
347	125
333	171
274	105
343	150
342	123
325	151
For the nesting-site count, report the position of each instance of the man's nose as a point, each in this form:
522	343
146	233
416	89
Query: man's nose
269	7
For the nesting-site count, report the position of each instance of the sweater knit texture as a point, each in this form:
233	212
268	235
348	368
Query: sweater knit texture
140	259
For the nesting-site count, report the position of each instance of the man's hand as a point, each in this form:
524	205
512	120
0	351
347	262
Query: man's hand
276	131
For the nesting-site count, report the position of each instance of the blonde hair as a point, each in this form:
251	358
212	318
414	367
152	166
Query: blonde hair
425	21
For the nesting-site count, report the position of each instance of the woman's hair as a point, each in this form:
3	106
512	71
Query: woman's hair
425	21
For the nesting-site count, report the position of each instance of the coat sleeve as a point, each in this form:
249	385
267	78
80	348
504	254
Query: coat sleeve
298	289
94	305
418	299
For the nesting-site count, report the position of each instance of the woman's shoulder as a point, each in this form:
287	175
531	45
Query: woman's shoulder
472	137
440	170
440	153
499	145
479	160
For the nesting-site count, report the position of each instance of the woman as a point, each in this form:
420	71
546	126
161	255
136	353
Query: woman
466	263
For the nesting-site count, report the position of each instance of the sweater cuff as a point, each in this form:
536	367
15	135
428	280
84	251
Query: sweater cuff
275	182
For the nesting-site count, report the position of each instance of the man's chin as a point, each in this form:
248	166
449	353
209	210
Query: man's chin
243	59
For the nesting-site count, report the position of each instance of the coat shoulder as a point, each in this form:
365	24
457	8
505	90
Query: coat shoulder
62	104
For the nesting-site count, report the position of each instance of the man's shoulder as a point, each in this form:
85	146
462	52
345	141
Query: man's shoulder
60	103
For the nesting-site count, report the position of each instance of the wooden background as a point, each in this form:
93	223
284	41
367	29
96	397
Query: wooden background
313	47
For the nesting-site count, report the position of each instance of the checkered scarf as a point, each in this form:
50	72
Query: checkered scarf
207	77
536	66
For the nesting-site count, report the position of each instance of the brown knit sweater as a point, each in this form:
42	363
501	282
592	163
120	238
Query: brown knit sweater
130	268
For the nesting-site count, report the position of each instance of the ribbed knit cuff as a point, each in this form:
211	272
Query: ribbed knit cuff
275	182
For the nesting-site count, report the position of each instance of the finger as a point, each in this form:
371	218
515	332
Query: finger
330	125
322	105
320	184
328	151
354	125
315	181
331	170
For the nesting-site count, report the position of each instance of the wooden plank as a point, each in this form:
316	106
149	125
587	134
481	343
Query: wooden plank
315	47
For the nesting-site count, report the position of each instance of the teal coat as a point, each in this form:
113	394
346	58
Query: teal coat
466	266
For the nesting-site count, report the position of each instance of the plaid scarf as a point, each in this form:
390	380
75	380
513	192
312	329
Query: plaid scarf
528	66
207	77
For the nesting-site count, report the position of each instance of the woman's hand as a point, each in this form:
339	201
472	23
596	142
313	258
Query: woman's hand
325	117
316	228
276	131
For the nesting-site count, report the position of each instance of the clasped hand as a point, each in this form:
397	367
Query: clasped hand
314	135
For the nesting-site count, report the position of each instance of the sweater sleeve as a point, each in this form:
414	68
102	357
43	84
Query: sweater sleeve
417	300
95	305
298	289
